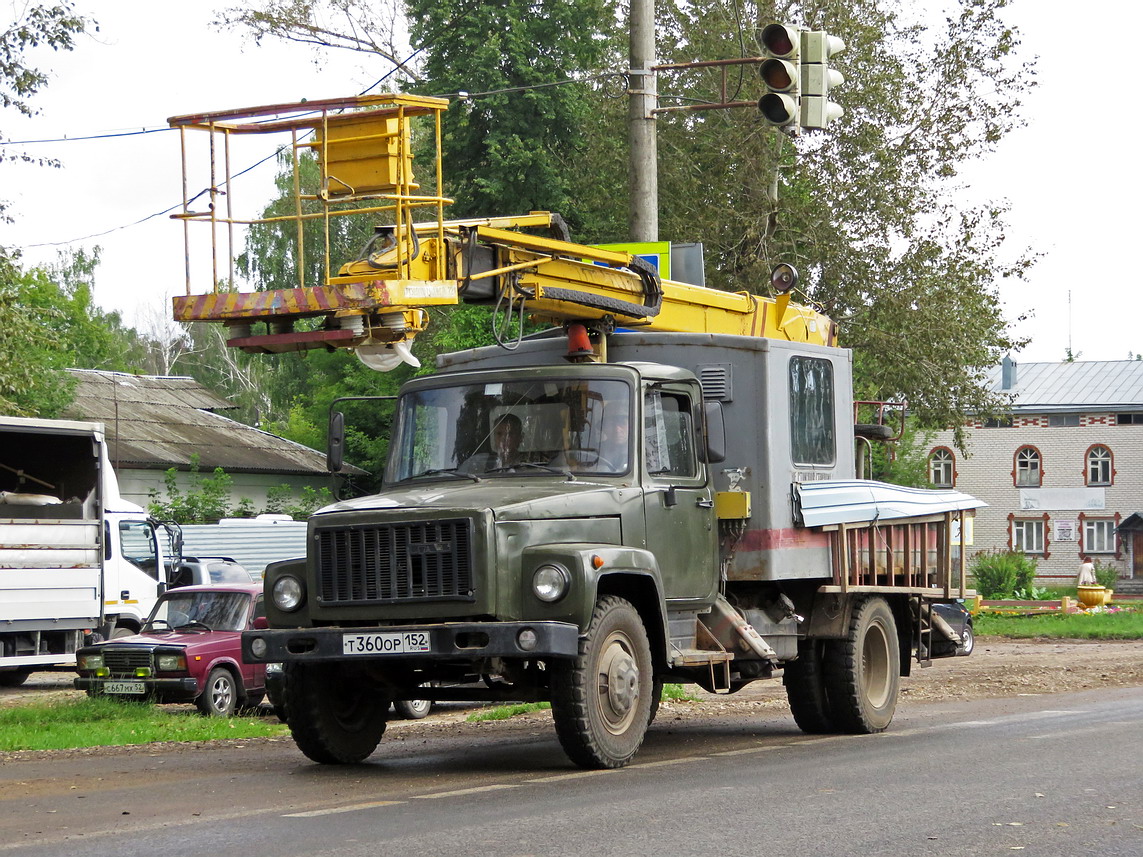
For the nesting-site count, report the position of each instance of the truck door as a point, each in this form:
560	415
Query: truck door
677	498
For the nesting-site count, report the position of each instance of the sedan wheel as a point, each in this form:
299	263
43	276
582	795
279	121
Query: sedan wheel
220	696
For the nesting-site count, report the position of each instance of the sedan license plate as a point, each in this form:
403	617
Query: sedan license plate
124	687
388	643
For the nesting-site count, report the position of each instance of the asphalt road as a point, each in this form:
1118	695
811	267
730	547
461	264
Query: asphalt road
1047	774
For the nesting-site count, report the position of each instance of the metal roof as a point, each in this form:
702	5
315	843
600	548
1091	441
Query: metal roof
161	421
1112	385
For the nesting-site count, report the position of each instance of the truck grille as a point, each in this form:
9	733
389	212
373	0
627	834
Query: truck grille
385	563
124	661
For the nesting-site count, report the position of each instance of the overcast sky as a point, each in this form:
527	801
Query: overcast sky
1072	176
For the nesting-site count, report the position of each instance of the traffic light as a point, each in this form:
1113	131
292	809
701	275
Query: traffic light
817	79
780	44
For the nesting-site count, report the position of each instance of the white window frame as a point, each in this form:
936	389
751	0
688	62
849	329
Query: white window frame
1099	535
1029	467
1099	465
942	469
1028	536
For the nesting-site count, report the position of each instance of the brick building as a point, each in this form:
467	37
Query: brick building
1063	472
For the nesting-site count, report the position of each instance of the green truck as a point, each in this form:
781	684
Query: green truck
582	532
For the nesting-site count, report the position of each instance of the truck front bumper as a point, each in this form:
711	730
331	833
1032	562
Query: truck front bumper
471	641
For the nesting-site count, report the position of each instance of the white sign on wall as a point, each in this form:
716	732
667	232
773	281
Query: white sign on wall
1065	531
1062	499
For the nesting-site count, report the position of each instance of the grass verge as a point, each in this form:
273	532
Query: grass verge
1104	625
503	712
98	722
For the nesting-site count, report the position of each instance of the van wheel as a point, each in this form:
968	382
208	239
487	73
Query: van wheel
805	689
220	696
334	716
601	700
863	671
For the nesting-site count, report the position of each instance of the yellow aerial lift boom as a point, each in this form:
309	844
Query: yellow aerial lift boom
416	259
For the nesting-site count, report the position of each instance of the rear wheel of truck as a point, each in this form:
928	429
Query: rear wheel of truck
601	701
806	691
335	718
863	671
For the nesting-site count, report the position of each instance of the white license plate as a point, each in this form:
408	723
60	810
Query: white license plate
124	687
389	643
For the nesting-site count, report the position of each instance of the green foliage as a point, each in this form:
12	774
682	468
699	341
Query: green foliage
1106	576
204	502
514	146
103	721
1032	593
1000	573
678	693
505	712
1118	624
280	500
207	499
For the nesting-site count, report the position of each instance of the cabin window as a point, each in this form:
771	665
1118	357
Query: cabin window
812	435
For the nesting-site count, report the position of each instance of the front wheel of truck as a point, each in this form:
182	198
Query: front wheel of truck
863	671
601	700
335	718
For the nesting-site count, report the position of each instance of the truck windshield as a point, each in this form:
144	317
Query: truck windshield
564	425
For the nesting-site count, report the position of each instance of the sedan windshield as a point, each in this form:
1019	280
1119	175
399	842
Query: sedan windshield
218	611
564	425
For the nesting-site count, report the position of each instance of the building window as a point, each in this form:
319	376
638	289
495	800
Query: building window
1099	465
1062	420
1099	535
1128	419
999	422
1029	473
942	468
1028	536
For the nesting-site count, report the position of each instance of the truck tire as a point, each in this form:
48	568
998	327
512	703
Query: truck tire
863	671
334	717
601	700
14	677
806	691
413	709
219	698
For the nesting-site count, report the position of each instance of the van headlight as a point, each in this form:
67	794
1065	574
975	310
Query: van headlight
288	593
550	582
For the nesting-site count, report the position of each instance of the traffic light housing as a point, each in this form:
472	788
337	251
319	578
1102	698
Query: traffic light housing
780	74
817	79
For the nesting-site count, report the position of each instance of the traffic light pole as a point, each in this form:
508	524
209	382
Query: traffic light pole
643	208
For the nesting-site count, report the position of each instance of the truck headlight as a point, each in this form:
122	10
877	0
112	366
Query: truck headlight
89	662
288	593
550	582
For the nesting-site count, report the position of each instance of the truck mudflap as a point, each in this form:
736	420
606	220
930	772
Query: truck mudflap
448	641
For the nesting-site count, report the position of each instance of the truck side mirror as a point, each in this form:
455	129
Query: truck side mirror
335	451
715	433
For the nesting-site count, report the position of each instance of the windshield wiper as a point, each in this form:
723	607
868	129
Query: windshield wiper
437	471
194	624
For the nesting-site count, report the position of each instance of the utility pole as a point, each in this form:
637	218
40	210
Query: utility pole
643	208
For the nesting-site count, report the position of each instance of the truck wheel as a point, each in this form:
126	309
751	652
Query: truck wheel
863	671
601	700
14	677
334	718
656	698
413	709
805	689
220	696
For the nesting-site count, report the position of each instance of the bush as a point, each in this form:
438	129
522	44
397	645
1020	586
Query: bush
1106	575
999	574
